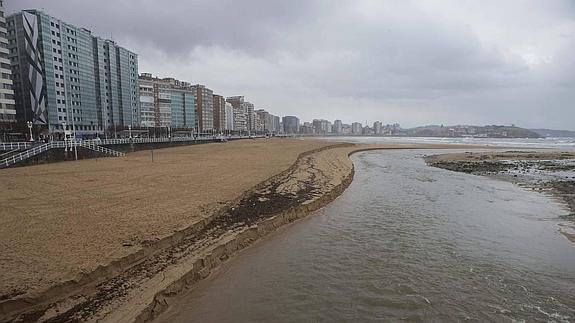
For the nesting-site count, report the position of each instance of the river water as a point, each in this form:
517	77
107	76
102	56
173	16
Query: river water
404	242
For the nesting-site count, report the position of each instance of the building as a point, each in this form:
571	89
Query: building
66	78
240	113
166	103
229	117
307	128
377	128
276	125
321	127
270	123
290	125
219	113
346	129
204	108
356	128
250	116
7	103
338	127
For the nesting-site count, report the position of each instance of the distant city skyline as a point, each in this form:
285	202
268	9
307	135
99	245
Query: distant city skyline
419	63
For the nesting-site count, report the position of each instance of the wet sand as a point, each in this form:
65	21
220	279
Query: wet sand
96	239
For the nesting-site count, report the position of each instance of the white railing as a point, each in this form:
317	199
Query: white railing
7	162
101	149
96	145
14	145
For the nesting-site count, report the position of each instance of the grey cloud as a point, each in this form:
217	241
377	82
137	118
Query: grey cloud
179	26
414	61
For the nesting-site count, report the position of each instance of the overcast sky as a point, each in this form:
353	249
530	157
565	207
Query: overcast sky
413	62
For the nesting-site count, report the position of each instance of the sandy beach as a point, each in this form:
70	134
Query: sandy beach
87	240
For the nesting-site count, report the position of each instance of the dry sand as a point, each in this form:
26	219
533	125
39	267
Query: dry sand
62	219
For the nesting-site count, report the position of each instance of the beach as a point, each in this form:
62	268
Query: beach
72	226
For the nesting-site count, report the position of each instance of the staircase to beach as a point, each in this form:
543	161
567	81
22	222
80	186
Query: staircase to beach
101	149
15	158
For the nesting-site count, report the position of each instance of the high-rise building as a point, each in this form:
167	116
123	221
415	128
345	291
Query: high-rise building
149	116
240	112
276	125
250	116
307	128
229	116
204	107
338	127
219	112
377	128
356	128
290	124
64	77
321	127
166	102
265	121
7	104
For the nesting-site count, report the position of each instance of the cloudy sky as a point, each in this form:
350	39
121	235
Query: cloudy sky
413	62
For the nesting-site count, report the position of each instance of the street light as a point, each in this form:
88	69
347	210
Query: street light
65	136
30	124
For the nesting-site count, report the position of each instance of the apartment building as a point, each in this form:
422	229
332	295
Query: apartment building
291	124
250	116
356	128
204	108
7	103
219	113
66	78
166	102
229	117
239	112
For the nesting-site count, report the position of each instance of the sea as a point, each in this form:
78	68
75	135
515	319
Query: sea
405	242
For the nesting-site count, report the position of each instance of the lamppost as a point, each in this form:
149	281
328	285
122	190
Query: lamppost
30	124
65	136
130	130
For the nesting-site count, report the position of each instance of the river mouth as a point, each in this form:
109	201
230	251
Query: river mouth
404	242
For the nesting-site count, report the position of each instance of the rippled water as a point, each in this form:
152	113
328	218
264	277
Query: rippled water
527	143
405	241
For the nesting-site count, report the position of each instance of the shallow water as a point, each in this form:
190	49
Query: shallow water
518	143
404	241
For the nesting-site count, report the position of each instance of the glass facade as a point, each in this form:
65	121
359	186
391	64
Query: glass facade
183	109
68	78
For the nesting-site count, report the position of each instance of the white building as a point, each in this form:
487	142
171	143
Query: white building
229	122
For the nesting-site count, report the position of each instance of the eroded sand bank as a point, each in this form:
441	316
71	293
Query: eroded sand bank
109	239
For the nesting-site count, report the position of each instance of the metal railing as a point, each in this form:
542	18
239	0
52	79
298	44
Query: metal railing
101	149
124	141
7	162
96	145
14	145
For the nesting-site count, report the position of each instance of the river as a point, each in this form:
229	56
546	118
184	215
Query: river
404	242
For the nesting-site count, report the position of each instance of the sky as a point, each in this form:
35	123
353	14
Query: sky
414	62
